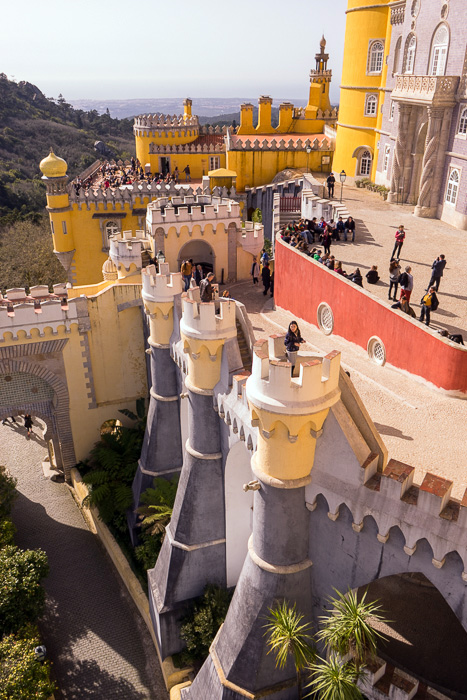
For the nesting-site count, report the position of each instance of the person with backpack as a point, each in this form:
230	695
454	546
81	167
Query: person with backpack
406	283
429	303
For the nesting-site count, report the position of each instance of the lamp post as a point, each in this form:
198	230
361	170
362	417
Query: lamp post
308	151
342	177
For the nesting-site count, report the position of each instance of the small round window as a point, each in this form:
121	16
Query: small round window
325	318
376	350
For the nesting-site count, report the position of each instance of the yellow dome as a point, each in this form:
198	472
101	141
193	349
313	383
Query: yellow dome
53	166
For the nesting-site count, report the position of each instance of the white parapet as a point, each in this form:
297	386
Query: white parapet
160	286
26	316
126	250
273	388
208	320
188	210
251	238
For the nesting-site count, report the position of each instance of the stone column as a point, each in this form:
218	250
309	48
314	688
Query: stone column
193	552
400	151
289	413
424	206
161	453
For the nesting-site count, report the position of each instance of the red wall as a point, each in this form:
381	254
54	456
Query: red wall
301	284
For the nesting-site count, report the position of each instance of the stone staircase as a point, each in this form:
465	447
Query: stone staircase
243	345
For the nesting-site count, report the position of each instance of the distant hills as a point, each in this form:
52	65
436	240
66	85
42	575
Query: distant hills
202	106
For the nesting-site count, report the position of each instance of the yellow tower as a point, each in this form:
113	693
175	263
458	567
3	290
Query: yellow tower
54	174
320	80
367	37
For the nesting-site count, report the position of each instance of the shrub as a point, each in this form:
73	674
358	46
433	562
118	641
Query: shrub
200	626
7	533
7	492
22	598
22	677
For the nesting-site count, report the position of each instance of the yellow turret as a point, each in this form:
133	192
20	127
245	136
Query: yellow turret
159	291
54	174
366	45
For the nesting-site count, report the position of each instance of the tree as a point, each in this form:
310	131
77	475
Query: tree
7	492
22	598
257	216
200	627
288	638
348	630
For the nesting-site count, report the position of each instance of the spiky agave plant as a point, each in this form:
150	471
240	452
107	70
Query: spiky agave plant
333	680
289	638
348	628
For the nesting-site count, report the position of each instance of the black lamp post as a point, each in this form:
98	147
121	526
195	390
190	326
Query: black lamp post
342	177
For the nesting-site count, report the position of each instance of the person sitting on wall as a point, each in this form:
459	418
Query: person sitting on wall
372	275
205	288
404	306
356	277
349	229
330	262
339	270
455	337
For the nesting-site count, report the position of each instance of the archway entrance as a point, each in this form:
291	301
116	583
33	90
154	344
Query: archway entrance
424	636
200	252
34	390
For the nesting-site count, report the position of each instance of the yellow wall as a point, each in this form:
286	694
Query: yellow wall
198	162
354	128
256	168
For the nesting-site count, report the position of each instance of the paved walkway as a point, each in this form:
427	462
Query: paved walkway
99	645
376	224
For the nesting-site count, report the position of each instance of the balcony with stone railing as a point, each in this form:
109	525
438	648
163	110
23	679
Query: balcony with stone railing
430	90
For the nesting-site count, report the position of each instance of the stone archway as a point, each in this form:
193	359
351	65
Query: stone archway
31	388
200	252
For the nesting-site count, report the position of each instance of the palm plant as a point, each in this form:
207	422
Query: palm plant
288	638
157	505
348	629
333	680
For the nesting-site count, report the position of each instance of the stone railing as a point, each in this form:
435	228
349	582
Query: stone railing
188	148
279	145
398	13
436	90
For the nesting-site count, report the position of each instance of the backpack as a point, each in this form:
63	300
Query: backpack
403	279
434	302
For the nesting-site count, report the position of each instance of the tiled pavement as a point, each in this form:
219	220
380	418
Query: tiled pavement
99	645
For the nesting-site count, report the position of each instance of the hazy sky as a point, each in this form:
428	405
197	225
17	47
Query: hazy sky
210	48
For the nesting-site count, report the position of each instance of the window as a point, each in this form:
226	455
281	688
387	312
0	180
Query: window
371	105
453	186
375	60
111	228
397	55
463	122
439	51
64	227
214	162
387	153
392	110
52	228
365	163
410	55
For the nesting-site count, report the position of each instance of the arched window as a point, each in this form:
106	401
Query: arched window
463	122
453	186
397	55
111	228
410	54
439	51
375	57
371	105
365	163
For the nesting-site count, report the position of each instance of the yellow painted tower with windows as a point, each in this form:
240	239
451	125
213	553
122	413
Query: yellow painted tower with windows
367	39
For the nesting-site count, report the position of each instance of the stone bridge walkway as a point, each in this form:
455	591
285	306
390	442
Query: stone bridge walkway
99	645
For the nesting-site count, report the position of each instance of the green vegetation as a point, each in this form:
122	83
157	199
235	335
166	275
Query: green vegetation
257	216
156	510
202	623
22	675
31	123
347	634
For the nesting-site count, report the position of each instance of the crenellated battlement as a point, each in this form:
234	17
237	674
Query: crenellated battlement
160	286
39	310
189	209
126	249
242	144
313	387
166	125
251	238
208	321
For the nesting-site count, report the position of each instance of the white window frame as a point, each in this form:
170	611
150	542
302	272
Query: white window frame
386	157
371	98
452	186
375	57
462	126
439	53
214	162
363	157
410	55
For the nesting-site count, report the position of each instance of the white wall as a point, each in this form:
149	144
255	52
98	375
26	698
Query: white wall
238	509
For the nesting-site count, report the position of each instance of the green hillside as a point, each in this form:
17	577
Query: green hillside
30	124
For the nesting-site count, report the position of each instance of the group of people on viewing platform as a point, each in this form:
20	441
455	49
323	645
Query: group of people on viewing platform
112	175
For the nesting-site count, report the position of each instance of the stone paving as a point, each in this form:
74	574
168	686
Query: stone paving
98	643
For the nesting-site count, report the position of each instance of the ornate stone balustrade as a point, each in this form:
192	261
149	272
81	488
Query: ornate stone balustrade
164	121
279	145
436	90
